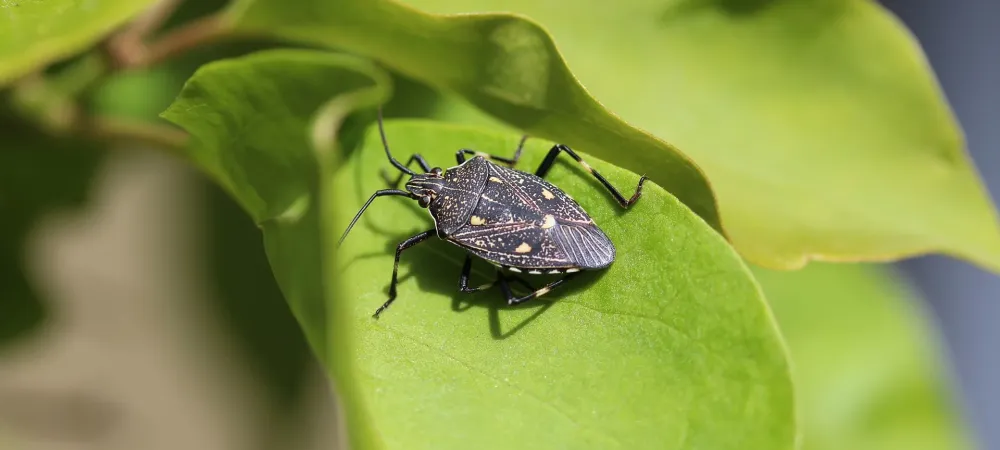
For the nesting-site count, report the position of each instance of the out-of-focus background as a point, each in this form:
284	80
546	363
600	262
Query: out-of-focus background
153	340
961	40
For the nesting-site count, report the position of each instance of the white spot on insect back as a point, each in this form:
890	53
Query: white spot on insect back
476	220
523	248
548	221
572	270
496	180
514	269
535	272
547	194
554	271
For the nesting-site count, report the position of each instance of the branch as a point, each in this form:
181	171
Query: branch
129	50
123	130
143	26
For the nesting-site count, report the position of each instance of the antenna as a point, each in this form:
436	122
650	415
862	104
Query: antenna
385	144
377	194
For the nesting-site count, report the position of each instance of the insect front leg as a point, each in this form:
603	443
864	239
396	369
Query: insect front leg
550	159
513	300
416	157
463	281
395	266
510	162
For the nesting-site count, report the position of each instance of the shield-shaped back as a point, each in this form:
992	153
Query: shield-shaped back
459	195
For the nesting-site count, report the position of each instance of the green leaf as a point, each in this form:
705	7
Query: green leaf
818	123
39	174
672	347
676	320
35	33
867	369
504	65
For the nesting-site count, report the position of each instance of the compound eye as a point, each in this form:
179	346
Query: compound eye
436	171
424	201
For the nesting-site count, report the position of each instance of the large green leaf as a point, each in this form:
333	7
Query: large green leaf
869	375
672	347
818	123
34	33
503	64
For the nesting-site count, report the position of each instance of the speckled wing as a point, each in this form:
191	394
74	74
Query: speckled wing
533	193
526	222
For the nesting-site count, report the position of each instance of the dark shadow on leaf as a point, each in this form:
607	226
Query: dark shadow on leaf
436	266
730	8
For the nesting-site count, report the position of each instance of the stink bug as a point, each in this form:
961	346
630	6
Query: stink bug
516	221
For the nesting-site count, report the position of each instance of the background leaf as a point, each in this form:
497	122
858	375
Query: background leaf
36	33
818	123
693	353
505	65
868	369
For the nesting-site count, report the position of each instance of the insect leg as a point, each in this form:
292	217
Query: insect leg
463	281
512	300
416	157
395	266
551	158
460	155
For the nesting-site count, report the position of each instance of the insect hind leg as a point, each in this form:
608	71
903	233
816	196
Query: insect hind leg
510	162
514	300
416	157
463	281
550	159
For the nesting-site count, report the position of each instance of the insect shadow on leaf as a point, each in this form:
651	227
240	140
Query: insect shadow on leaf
516	221
426	265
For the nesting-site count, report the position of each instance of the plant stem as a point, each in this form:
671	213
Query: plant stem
129	50
119	130
143	26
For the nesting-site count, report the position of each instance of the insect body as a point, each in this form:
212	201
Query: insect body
515	220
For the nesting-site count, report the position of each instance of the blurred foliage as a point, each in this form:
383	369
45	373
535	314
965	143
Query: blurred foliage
869	369
39	173
34	34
